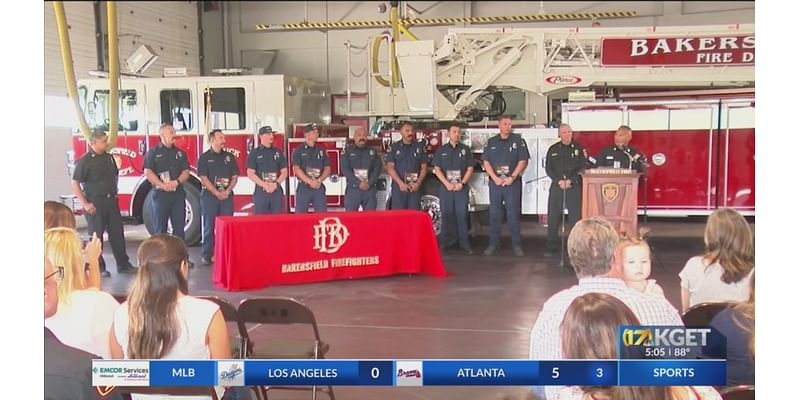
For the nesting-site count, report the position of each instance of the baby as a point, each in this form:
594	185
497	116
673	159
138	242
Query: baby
634	255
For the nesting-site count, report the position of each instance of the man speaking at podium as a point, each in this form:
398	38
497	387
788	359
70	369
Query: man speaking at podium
620	155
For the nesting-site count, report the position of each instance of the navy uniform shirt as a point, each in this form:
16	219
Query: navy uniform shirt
361	164
614	154
407	159
219	168
98	173
267	162
454	161
565	160
505	154
312	160
166	163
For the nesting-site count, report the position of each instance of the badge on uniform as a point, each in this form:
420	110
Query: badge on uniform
276	156
372	153
576	152
463	152
179	155
398	152
513	146
227	159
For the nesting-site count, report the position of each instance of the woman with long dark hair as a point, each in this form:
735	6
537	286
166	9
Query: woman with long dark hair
589	331
160	319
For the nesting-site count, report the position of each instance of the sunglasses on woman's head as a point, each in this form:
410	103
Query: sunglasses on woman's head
59	274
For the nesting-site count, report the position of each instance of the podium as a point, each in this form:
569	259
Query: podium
612	194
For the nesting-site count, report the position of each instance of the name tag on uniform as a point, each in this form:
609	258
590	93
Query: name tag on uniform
271	177
411	177
361	174
453	176
221	183
313	173
503	171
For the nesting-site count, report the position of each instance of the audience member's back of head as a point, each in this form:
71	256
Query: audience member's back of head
591	246
589	331
62	248
153	323
58	215
729	242
746	315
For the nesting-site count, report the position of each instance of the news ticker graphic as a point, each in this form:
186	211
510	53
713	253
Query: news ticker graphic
163	373
671	342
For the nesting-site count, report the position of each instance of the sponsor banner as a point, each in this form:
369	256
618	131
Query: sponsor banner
120	373
679	51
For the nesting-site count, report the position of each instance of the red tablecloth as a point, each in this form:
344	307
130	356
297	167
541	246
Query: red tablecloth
259	251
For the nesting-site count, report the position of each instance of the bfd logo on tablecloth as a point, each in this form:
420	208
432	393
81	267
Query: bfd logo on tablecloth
330	235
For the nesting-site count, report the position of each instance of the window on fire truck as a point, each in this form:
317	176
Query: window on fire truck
227	109
128	111
176	108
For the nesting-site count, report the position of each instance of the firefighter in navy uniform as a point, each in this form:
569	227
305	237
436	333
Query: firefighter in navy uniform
311	166
219	173
621	155
453	165
565	161
167	169
266	167
505	158
361	166
406	163
97	172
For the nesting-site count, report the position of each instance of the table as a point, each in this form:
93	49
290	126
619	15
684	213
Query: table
258	251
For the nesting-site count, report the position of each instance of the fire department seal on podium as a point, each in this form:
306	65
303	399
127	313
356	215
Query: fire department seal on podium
610	192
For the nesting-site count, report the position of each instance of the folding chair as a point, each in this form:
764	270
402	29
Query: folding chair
742	392
702	314
240	344
284	311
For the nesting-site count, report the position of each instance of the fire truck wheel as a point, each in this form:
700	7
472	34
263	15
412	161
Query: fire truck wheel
192	229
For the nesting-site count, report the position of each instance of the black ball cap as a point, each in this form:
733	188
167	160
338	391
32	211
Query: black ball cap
310	127
264	130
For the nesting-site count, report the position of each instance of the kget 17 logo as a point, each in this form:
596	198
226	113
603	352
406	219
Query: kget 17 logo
664	336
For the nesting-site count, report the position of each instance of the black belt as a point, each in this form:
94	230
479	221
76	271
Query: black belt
103	196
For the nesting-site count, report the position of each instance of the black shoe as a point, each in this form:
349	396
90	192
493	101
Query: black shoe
490	251
129	269
105	274
518	251
206	261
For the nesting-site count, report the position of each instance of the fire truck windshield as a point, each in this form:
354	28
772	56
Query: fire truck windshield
97	111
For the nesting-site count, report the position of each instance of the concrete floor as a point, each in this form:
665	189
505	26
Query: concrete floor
484	309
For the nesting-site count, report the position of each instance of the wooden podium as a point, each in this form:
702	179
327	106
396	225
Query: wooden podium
612	194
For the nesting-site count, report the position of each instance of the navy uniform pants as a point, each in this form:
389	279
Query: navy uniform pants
211	207
268	203
355	198
455	206
107	218
406	200
508	198
555	204
170	206
306	195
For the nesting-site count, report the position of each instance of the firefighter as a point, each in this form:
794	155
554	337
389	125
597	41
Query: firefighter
505	158
406	163
620	155
266	167
311	166
362	167
565	160
453	165
167	169
219	173
97	172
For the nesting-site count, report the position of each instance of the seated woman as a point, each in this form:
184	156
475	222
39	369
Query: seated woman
738	324
84	312
723	272
160	320
589	331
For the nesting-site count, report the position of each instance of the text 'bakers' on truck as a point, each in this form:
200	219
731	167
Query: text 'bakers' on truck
691	111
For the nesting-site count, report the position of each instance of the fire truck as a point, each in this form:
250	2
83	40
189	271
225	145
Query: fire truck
688	93
699	140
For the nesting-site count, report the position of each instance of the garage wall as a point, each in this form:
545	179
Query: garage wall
169	28
321	56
